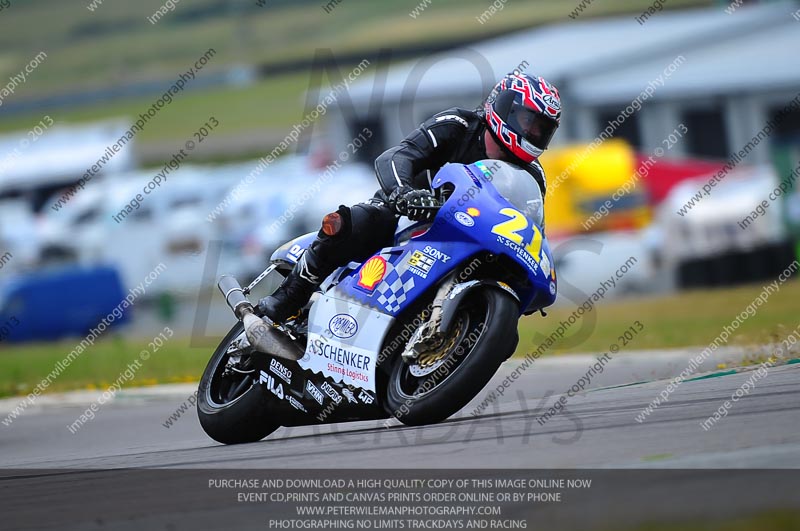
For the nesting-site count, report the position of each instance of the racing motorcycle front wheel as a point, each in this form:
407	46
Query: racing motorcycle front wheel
439	383
231	404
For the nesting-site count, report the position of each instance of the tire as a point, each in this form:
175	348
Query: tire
244	419
468	372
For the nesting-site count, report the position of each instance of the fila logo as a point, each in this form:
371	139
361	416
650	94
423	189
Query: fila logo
274	387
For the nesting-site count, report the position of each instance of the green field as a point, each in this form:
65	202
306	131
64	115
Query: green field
682	320
116	45
275	102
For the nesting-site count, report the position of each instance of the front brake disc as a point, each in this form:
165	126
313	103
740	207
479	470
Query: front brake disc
429	361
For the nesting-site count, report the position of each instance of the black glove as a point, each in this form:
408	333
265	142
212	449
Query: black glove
412	203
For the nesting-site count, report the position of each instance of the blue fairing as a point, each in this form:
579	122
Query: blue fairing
290	252
476	219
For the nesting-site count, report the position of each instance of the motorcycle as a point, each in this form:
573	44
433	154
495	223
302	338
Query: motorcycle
414	332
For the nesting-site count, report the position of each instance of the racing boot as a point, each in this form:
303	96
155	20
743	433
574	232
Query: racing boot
293	294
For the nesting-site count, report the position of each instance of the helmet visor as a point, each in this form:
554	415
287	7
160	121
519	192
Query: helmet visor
534	127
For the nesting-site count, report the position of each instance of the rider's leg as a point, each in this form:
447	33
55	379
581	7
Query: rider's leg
349	234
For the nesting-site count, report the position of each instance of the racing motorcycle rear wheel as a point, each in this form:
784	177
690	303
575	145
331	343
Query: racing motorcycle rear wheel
440	383
231	404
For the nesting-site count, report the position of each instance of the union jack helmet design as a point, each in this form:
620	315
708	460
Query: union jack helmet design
523	113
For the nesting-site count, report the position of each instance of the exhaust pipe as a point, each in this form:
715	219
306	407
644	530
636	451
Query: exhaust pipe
234	296
261	336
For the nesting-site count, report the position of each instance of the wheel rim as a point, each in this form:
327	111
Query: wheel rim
233	375
414	382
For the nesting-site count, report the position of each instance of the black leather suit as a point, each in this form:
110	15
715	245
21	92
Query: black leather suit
455	135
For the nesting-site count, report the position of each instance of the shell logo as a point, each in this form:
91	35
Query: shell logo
474	212
372	272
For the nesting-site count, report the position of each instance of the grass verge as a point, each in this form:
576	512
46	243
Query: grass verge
23	367
693	318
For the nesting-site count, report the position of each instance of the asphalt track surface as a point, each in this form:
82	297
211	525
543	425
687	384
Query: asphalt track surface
126	471
598	430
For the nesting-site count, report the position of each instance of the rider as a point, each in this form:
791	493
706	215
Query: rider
518	119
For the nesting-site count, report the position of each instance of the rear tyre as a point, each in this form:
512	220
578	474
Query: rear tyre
484	335
232	406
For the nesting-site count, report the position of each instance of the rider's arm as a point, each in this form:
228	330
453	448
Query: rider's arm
429	146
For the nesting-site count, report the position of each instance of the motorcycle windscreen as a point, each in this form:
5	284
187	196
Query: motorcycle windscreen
518	187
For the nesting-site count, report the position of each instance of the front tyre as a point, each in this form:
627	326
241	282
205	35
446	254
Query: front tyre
438	384
231	404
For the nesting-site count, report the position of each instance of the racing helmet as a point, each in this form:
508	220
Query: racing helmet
523	112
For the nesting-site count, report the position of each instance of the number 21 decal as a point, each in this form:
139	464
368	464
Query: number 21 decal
512	229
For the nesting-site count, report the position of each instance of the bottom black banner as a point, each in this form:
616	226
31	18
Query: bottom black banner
762	500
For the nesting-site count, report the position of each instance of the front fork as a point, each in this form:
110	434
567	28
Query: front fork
430	336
